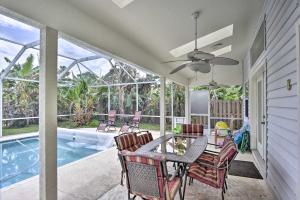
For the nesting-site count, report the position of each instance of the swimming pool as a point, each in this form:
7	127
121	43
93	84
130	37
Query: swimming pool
20	158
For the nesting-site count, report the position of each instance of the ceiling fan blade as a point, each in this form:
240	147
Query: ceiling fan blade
223	61
178	68
171	61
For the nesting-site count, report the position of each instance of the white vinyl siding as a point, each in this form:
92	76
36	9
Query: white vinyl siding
282	105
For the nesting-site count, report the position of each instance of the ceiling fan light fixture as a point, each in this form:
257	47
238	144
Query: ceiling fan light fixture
200	67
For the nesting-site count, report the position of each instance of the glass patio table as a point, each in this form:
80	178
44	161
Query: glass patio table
175	147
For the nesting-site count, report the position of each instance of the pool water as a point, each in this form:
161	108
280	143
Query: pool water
20	158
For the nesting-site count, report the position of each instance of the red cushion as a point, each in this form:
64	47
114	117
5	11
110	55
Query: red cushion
208	158
207	175
192	129
145	138
227	153
128	141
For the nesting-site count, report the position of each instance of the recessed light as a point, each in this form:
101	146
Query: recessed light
222	51
122	3
203	41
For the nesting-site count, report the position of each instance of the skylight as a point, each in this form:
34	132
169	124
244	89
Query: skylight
222	51
122	3
203	41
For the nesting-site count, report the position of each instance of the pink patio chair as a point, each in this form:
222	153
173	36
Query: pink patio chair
111	122
147	177
135	124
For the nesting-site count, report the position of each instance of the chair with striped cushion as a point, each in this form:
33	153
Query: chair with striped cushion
192	130
147	177
144	137
129	142
212	168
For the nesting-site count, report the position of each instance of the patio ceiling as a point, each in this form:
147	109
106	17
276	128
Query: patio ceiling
144	31
160	26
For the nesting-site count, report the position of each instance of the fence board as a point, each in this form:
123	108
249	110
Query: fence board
226	109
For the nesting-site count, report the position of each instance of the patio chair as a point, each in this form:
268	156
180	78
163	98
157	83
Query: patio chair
147	177
192	130
135	123
111	122
211	168
129	142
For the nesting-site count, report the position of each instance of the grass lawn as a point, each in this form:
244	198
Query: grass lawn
68	124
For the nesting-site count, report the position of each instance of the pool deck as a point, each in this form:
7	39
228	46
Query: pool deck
97	177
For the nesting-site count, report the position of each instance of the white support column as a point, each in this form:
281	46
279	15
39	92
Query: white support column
48	114
172	105
208	117
137	97
108	99
1	104
162	106
187	104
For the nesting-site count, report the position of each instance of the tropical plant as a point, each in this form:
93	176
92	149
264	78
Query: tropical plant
234	92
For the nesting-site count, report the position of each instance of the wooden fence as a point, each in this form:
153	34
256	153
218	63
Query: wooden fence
226	110
223	111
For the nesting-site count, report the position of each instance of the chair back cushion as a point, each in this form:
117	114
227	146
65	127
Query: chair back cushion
127	141
144	175
192	129
227	153
145	138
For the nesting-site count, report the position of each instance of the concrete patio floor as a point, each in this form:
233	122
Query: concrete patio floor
239	188
97	177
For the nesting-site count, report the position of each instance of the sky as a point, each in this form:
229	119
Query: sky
24	34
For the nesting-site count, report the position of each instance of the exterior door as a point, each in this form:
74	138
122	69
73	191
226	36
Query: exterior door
261	136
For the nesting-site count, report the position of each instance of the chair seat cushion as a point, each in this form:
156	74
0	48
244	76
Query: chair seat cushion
208	158
207	175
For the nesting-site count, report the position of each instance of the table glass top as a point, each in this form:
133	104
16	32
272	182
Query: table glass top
175	145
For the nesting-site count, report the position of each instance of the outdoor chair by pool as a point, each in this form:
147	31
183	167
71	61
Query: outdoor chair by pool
211	168
111	122
148	178
131	142
193	130
135	123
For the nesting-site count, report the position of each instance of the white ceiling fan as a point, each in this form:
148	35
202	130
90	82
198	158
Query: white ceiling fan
200	61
